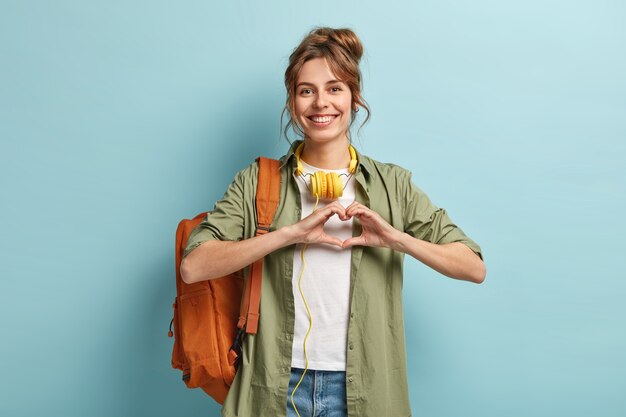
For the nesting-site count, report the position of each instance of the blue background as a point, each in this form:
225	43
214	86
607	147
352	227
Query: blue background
118	118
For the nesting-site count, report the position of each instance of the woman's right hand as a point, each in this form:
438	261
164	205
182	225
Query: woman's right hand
311	228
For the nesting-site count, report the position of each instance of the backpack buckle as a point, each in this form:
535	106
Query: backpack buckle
262	229
236	350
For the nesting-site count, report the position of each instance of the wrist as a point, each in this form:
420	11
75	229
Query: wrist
289	235
399	242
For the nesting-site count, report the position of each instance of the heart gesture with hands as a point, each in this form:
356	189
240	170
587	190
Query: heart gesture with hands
375	230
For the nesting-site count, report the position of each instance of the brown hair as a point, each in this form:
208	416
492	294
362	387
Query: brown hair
342	49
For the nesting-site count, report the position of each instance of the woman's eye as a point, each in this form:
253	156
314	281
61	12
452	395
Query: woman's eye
305	91
336	88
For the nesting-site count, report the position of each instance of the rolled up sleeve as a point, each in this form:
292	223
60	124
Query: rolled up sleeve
225	221
425	221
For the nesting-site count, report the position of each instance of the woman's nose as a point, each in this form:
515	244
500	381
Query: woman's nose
320	100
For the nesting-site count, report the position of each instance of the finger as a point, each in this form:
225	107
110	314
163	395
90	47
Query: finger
336	209
337	204
351	210
362	213
342	209
353	241
327	211
331	240
330	206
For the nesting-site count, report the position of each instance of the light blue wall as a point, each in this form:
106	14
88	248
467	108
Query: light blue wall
119	118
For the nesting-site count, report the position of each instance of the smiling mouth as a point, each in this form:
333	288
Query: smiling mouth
322	120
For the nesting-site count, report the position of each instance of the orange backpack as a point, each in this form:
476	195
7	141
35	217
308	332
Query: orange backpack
208	330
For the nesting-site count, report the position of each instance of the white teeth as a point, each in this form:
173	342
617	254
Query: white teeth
322	119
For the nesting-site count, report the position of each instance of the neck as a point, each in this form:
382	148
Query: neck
329	155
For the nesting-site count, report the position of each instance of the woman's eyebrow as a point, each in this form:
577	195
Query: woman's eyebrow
327	82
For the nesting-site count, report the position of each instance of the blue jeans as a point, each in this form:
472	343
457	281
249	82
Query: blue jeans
320	394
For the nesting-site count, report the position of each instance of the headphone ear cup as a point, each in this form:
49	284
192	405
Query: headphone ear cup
318	188
330	183
338	186
324	184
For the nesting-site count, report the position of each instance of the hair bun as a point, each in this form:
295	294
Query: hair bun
344	37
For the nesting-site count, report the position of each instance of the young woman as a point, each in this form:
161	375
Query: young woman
332	273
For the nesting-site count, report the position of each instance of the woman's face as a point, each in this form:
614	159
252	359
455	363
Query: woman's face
322	103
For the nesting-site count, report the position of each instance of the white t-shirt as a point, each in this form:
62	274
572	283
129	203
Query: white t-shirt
325	284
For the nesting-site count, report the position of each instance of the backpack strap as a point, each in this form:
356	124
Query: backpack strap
267	197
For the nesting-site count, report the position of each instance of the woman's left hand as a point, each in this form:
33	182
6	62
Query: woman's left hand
375	230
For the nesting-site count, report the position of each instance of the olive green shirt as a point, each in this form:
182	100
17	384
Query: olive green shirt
376	372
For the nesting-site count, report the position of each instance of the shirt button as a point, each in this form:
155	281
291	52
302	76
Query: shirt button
350	379
288	337
351	315
351	346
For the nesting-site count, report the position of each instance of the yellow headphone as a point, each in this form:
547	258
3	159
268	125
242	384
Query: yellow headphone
326	184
